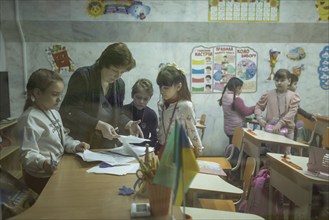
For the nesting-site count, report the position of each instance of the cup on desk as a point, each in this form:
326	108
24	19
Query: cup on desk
160	199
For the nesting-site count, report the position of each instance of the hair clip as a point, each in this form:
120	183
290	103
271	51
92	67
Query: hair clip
163	65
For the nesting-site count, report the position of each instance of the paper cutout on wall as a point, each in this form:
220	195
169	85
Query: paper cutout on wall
323	69
211	68
323	9
96	8
297	70
274	53
297	53
60	59
244	10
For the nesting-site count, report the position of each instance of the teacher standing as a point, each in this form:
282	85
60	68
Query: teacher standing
91	108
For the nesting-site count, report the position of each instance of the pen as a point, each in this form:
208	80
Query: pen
53	162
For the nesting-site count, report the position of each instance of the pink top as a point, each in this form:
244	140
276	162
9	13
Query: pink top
234	118
279	106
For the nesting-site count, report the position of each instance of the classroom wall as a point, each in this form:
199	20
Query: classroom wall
168	34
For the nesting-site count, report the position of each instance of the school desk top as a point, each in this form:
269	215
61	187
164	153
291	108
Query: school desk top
268	137
293	182
72	193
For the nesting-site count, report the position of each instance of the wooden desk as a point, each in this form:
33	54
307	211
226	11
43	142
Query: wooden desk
72	193
254	140
206	214
293	183
210	183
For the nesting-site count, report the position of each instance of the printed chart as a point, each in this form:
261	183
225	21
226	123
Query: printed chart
244	10
211	68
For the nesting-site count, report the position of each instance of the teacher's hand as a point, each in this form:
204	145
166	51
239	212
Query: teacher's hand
107	130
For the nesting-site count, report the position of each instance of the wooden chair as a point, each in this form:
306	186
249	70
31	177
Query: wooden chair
225	162
308	124
201	124
325	138
230	205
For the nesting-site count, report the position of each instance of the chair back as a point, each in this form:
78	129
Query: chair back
325	138
308	124
237	141
203	119
249	172
238	137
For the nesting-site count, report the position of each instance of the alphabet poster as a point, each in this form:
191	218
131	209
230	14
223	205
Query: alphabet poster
211	68
244	10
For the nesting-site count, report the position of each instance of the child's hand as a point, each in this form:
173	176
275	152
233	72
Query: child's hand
48	167
276	129
82	146
262	123
134	128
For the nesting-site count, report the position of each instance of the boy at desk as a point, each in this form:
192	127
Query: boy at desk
281	107
137	110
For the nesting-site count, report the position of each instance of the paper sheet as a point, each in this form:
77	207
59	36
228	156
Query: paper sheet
112	159
115	170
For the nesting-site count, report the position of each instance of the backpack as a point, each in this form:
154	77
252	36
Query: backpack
258	201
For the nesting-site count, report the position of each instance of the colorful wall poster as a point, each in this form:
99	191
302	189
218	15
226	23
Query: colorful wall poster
323	68
60	59
244	10
211	68
135	8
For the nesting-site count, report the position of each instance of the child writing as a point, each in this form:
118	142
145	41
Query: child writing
137	110
234	108
175	104
281	106
40	130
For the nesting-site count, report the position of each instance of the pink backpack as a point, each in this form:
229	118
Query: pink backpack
258	201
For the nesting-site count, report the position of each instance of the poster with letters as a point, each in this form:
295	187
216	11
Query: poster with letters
212	67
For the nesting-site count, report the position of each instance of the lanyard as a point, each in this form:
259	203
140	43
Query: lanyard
171	119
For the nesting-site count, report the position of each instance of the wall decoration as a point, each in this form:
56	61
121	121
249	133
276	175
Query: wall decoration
297	70
211	68
323	69
60	59
297	53
135	8
323	9
244	10
274	53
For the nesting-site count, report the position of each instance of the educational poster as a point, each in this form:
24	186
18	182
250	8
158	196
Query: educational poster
211	68
323	68
244	10
135	8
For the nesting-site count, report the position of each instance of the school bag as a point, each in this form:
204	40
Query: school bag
235	175
258	201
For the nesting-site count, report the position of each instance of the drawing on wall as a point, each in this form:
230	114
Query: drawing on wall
59	59
297	53
212	67
323	9
274	53
323	69
297	70
135	8
244	10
